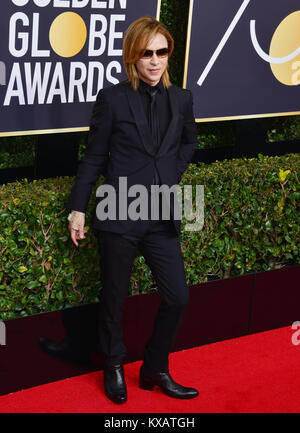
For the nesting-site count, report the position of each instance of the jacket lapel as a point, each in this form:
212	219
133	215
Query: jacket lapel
142	123
139	116
164	146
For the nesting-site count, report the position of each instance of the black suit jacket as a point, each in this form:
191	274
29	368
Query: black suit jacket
119	144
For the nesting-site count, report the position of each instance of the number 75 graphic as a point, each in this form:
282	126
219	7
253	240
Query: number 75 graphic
258	49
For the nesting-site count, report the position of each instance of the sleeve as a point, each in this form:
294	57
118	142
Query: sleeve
189	140
94	163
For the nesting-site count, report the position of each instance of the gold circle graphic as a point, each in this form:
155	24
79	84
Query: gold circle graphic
67	34
286	39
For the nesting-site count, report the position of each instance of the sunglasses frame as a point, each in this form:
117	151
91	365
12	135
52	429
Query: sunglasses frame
157	52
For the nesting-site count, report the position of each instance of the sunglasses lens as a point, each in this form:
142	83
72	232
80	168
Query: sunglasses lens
163	52
147	54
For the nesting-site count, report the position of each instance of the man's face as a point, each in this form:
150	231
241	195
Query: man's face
151	69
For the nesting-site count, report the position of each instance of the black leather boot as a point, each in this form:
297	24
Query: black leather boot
114	383
166	384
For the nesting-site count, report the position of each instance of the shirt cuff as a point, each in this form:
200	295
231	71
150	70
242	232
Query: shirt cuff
73	218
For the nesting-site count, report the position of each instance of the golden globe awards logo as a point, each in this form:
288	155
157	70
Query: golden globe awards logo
45	67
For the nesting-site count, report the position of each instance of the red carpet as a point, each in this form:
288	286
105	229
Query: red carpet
256	373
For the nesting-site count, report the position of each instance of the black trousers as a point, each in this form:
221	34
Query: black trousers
159	243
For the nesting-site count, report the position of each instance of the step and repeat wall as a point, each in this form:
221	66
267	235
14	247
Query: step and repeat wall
243	58
55	55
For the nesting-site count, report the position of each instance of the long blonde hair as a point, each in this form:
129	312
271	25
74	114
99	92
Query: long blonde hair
137	37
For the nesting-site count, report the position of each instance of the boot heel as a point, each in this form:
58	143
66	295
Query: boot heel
146	384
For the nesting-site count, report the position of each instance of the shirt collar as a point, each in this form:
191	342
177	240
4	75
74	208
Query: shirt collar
144	86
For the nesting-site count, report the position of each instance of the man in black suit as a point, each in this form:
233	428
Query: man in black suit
143	130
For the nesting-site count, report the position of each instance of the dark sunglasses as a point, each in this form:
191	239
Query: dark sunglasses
162	52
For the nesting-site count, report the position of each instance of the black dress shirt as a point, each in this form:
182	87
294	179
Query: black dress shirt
162	106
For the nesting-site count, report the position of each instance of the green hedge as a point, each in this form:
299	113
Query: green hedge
251	224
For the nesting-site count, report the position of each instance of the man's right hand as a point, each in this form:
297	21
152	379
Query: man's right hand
76	227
